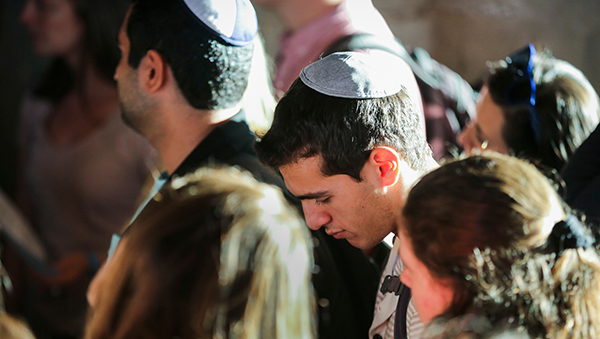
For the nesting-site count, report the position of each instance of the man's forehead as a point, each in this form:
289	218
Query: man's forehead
305	179
301	174
303	164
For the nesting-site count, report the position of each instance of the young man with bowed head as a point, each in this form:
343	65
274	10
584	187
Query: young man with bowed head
315	28
183	72
347	140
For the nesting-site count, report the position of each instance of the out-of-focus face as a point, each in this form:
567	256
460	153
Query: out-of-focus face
432	296
55	28
355	211
485	131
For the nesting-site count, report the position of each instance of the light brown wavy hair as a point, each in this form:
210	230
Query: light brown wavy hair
216	254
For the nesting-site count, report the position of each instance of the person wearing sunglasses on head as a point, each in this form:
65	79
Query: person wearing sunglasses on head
533	106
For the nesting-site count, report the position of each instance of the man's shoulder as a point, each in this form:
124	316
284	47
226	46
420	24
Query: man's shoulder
231	143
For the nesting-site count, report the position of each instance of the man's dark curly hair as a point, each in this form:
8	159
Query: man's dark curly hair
343	131
211	73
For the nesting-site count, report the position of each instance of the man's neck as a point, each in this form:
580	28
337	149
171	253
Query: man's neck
297	14
410	177
184	130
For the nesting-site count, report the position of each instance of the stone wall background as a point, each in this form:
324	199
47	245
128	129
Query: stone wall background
464	34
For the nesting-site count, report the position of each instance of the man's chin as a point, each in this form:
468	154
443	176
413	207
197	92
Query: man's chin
356	243
367	248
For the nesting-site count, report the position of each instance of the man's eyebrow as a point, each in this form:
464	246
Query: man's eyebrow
314	195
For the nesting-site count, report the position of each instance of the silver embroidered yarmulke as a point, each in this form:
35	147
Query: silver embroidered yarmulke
232	20
357	75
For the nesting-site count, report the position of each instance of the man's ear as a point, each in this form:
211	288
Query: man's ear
153	71
387	161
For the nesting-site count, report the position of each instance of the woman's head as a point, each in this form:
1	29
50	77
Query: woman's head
74	32
478	202
55	26
484	227
546	127
218	254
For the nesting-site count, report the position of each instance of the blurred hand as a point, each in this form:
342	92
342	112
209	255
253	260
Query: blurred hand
71	268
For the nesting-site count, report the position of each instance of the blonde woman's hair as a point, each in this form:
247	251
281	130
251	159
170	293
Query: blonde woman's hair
13	328
215	254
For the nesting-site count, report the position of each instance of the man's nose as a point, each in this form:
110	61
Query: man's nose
315	217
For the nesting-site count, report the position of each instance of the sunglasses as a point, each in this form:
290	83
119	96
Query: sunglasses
521	89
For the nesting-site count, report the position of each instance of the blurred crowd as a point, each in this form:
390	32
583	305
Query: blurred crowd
181	183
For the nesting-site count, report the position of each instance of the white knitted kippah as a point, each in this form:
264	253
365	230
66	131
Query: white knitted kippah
232	20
